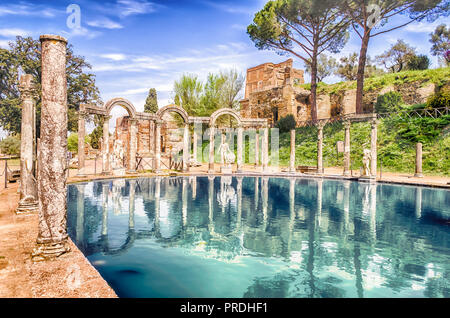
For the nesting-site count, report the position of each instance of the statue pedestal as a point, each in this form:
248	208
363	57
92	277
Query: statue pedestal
367	179
226	170
119	172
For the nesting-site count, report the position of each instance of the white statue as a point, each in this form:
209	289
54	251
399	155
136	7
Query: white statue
367	157
118	154
228	155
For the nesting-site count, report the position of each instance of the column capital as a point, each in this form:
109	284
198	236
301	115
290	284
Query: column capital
26	86
320	125
82	114
107	117
374	122
347	124
133	121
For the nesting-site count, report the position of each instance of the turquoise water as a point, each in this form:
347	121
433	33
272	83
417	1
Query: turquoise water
263	237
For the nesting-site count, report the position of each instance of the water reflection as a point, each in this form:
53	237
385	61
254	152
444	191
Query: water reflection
275	237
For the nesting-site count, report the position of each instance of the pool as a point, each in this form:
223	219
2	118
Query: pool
228	237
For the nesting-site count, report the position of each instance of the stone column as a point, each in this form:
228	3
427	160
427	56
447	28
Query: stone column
418	173
157	161
257	148
265	150
28	188
52	234
194	146
186	150
239	149
347	125
292	158
373	148
105	146
320	126
211	150
81	135
133	146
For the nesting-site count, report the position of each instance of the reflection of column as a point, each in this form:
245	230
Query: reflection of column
320	147
347	125
194	187
265	150
210	203
257	148
105	145
80	214
418	202
239	202
186	151
28	189
373	210
373	148
105	191
52	192
239	148
211	149
132	184
319	201
256	193
291	212
292	158
81	135
346	206
157	205
184	200
157	161
418	173
133	145
265	200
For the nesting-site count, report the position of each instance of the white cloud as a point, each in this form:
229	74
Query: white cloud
132	7
105	23
82	32
13	32
4	44
114	56
27	9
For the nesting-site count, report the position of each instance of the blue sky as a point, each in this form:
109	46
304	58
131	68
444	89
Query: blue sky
134	45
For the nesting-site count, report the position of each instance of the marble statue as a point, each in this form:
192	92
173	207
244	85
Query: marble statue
228	155
367	157
118	154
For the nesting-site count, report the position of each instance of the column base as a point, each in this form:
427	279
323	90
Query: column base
418	175
47	251
347	174
27	207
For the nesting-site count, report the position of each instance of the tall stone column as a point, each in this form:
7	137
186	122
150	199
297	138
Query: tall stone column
292	157
157	160
133	145
347	125
320	126
239	149
186	150
52	234
257	148
28	188
105	146
81	135
373	148
194	146
211	150
418	173
265	150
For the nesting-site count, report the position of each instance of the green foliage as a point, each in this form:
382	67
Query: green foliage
326	66
72	142
418	62
188	93
151	103
25	54
389	102
439	100
347	67
10	145
440	39
286	124
96	136
397	57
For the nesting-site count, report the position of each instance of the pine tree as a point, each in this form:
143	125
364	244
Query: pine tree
151	103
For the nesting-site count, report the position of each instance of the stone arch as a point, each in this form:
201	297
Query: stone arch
121	102
225	111
173	108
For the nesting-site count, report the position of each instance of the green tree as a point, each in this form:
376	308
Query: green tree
96	135
211	98
188	90
397	57
233	82
151	103
286	124
10	145
440	39
347	68
303	28
24	56
326	66
369	19
418	62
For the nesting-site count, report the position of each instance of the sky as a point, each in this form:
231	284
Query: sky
135	45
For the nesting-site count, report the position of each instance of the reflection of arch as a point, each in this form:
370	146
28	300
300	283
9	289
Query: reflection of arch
121	102
225	111
173	108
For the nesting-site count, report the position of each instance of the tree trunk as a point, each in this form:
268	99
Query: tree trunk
314	88
361	72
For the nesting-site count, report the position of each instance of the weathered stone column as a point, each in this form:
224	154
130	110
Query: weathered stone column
320	126
81	135
157	161
52	235
239	149
133	145
194	146
105	146
257	148
211	150
292	157
265	150
347	125
28	187
418	173
186	150
373	148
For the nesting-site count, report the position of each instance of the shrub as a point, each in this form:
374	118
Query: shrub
418	62
389	102
440	99
286	124
72	143
10	145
